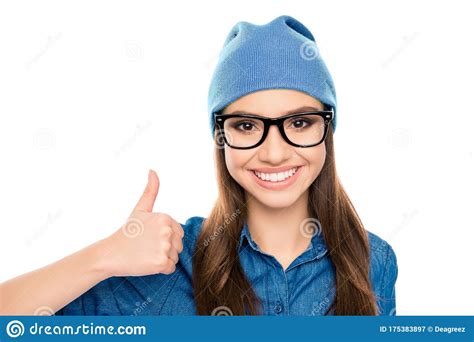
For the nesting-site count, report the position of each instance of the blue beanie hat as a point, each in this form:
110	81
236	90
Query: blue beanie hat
280	54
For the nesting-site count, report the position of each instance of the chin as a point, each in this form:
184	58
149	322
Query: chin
275	199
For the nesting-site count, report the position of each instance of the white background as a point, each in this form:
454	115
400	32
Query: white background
92	94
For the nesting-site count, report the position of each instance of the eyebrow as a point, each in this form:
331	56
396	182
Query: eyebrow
293	111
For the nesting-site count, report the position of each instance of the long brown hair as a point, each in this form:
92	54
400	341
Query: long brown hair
218	278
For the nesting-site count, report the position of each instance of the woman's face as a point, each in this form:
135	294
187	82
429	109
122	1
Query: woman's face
275	153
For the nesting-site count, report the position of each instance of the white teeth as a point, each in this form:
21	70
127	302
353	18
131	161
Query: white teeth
276	177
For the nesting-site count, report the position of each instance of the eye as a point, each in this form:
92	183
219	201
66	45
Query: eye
246	126
299	123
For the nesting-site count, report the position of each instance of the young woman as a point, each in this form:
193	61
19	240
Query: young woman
283	238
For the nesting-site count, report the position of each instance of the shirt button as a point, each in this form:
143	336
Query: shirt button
278	307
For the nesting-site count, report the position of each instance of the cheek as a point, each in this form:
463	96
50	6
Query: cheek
235	161
316	160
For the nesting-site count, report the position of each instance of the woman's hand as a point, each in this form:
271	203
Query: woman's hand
148	243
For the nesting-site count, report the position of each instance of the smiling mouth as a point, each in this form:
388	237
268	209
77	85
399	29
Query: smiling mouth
276	177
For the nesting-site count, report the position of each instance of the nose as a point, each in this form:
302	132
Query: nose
274	149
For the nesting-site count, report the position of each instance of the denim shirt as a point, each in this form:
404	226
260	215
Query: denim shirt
306	287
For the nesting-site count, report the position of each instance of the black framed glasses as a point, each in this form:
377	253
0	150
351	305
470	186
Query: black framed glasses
245	131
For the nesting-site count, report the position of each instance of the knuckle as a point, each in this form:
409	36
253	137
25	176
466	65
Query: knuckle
170	269
166	231
161	261
166	246
179	246
166	217
163	218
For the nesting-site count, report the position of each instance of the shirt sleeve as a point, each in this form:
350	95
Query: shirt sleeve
99	300
74	308
387	300
143	295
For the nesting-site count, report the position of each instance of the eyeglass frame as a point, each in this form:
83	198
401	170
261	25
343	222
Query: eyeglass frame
327	115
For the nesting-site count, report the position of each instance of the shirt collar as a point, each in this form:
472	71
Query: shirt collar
317	245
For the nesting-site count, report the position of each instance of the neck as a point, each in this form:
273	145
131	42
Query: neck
277	230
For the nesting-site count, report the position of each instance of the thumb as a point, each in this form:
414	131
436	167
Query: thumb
146	201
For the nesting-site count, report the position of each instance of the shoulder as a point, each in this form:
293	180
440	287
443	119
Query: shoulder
192	227
382	255
383	273
379	246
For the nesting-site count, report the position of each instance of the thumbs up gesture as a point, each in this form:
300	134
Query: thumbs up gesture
148	242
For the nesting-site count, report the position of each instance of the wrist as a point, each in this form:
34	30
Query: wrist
101	257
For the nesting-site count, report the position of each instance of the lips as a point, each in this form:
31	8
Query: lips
277	185
277	169
276	177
